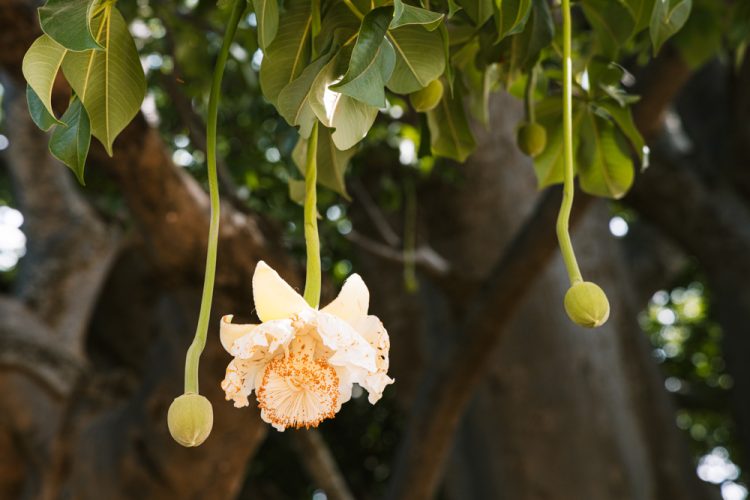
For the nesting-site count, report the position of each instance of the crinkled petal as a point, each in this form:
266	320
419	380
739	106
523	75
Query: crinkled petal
375	384
264	340
352	302
348	346
274	298
229	332
373	331
239	380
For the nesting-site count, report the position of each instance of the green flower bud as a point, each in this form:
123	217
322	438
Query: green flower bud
427	98
587	304
532	139
190	419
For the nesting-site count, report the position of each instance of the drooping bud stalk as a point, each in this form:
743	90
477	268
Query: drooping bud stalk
190	417
531	136
585	303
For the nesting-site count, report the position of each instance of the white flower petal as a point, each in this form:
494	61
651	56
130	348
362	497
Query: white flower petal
264	340
274	298
375	384
373	331
352	302
229	332
348	346
239	379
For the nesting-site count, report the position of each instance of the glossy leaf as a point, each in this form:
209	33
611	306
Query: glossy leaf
478	11
450	134
405	14
70	143
332	163
415	66
68	22
623	118
267	18
604	168
372	60
39	114
40	66
538	34
289	53
667	19
349	118
641	11
294	99
110	83
612	23
511	16
548	166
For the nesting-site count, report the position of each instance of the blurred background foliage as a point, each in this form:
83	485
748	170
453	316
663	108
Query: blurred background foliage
177	44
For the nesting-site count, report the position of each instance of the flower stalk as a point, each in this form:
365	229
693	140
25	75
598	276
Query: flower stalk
563	218
192	360
312	240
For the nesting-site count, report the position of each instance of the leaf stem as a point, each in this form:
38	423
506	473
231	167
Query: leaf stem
312	241
192	359
563	218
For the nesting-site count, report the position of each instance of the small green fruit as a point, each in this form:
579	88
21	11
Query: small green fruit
532	139
587	304
190	419
427	98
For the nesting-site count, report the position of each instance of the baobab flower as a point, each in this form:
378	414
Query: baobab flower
302	362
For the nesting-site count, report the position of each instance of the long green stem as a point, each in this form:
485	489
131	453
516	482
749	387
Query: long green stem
528	96
563	218
312	241
192	360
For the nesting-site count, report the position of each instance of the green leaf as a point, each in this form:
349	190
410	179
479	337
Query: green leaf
405	14
623	118
372	60
294	99
548	166
68	22
40	66
450	134
667	19
39	114
70	143
419	58
289	53
478	11
332	163
703	35
604	169
267	18
641	11
612	23
511	16
109	82
538	34
338	23
350	118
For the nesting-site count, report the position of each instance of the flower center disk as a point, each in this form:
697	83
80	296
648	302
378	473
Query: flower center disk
298	390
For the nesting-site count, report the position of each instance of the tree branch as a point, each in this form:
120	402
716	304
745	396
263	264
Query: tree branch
320	464
447	390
